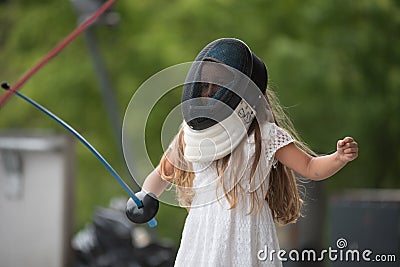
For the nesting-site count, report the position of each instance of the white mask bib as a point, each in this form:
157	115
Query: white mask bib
220	139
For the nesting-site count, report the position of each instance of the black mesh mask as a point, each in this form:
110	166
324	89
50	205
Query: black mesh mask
213	84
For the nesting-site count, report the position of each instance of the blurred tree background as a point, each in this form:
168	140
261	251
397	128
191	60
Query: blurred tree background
334	64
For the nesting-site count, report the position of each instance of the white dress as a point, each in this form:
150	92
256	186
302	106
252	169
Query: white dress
215	235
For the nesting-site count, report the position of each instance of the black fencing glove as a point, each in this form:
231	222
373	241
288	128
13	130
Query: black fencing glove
144	213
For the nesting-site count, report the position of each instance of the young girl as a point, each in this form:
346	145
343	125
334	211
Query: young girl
233	161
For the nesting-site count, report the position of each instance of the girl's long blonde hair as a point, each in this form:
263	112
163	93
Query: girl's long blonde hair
282	196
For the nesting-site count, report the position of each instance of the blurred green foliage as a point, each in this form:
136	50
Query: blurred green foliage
334	64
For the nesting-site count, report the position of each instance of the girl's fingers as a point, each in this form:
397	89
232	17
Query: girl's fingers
345	141
351	145
340	143
348	139
350	150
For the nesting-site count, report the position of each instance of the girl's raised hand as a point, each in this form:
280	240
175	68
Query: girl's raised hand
347	149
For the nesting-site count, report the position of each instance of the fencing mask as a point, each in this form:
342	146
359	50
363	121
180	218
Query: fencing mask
223	91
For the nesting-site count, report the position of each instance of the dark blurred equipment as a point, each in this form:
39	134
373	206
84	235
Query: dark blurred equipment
366	219
114	241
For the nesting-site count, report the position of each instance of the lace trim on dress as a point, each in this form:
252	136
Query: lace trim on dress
278	139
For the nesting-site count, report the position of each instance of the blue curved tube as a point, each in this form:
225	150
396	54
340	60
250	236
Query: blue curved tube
152	222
